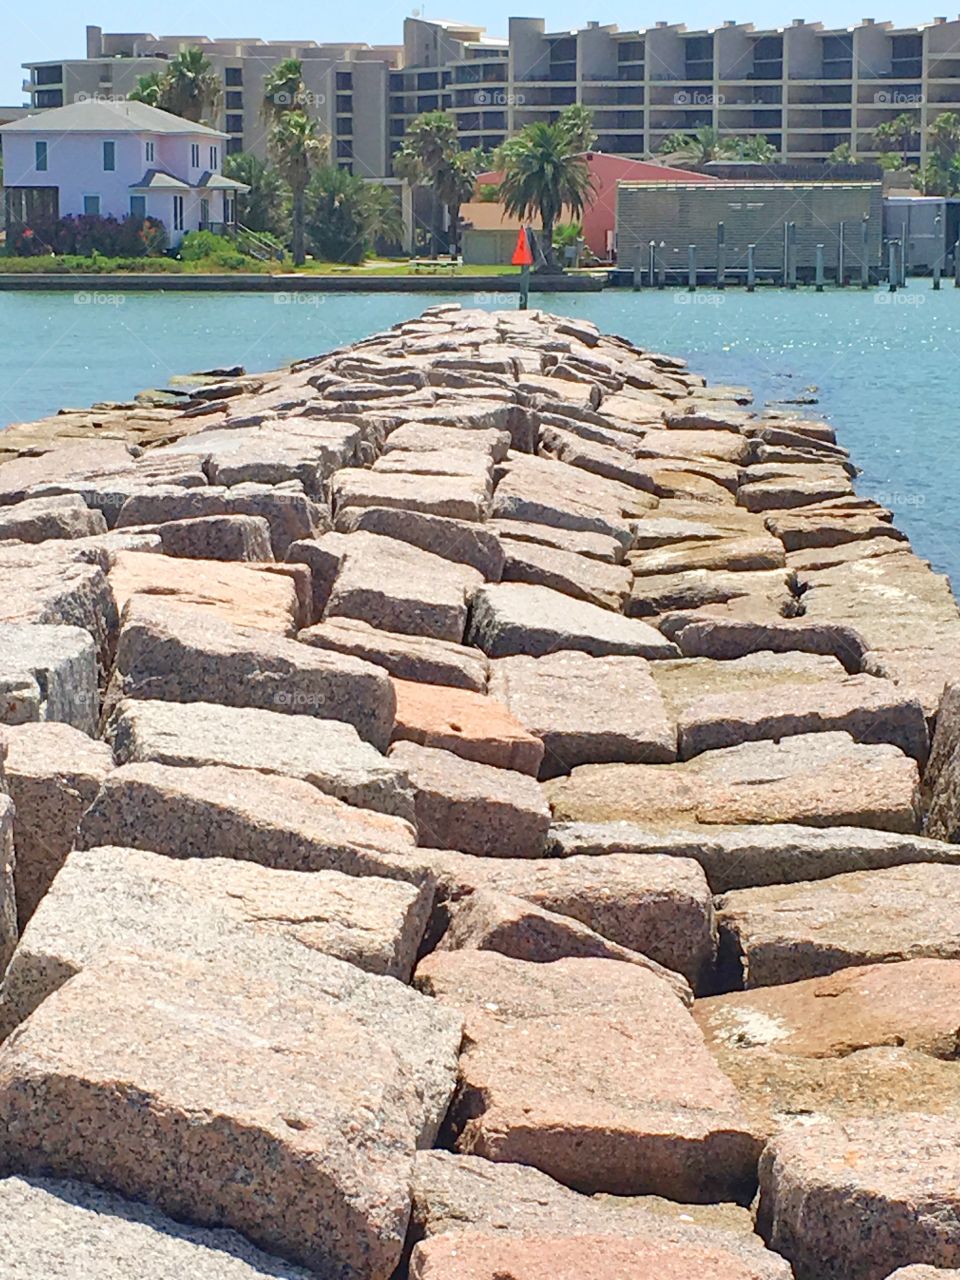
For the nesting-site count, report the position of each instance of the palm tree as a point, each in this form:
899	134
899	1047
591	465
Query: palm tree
843	154
545	173
578	122
899	132
149	89
430	149
944	136
698	148
189	86
283	88
296	147
756	148
454	184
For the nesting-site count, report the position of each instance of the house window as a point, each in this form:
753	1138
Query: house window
345	150
48	98
233	76
204	214
234	124
195	155
41	157
234	146
91	206
151	151
214	157
234	101
138	207
344	80
109	157
178	213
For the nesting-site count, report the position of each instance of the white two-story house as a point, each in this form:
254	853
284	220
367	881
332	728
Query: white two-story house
110	157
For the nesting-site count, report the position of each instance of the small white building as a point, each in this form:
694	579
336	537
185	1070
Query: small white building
114	158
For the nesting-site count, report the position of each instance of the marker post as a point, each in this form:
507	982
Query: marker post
523	258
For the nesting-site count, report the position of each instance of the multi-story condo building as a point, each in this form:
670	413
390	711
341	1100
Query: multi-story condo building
346	85
806	88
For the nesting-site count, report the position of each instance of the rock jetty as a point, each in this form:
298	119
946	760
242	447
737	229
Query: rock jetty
480	804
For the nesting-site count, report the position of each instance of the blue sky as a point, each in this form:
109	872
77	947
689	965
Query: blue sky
55	29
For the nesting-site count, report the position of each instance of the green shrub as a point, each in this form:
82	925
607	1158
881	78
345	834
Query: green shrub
206	246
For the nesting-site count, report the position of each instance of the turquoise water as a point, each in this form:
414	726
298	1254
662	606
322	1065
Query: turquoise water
885	367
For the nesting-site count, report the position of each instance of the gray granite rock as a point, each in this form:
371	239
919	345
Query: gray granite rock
458	497
215	811
461	541
418	658
740	857
784	933
177	653
178	1114
238	537
513	618
204	907
606	585
821	1184
289	512
38	519
73	1231
48	673
52	773
328	754
477	808
586	709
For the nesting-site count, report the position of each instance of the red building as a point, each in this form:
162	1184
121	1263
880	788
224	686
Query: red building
599	220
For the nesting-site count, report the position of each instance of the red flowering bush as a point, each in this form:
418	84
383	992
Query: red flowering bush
82	235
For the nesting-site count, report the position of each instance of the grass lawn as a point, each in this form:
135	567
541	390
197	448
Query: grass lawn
48	265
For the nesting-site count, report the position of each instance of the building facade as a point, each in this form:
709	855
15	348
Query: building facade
116	159
806	88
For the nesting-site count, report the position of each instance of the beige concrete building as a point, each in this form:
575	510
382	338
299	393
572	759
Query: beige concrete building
806	88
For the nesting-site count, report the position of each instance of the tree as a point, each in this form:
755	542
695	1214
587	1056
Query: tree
944	141
430	157
345	216
149	89
454	183
900	132
283	89
756	148
699	148
578	122
544	174
296	147
188	87
931	179
294	142
843	154
262	207
889	161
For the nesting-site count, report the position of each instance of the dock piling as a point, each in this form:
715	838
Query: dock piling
751	268
691	268
819	276
721	255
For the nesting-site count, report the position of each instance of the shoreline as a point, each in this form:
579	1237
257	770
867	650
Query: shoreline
239	283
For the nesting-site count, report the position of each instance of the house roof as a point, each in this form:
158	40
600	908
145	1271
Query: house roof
157	180
217	182
98	116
